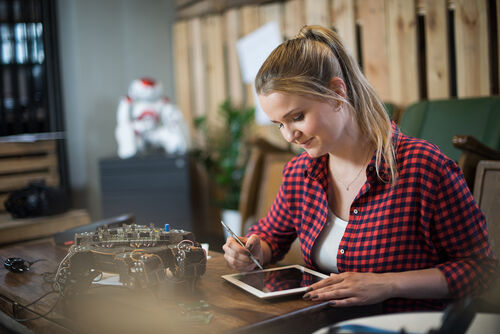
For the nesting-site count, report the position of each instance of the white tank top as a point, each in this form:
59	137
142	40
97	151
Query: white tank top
327	244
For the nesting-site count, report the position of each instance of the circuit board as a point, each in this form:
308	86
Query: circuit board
143	256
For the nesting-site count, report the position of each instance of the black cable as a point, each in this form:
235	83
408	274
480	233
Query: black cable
38	314
58	323
33	262
26	307
48	279
39	298
30	263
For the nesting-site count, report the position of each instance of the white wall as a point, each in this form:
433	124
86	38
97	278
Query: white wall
103	46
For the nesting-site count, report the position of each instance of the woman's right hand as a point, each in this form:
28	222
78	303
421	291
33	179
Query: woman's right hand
237	257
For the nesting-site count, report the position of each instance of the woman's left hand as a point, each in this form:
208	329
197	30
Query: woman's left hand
351	288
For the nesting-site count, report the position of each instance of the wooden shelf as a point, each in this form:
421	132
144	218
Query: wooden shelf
15	230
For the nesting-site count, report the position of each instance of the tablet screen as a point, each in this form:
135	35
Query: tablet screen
278	280
275	282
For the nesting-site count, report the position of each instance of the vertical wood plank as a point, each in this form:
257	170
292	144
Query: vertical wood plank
472	48
317	12
269	13
402	51
215	67
233	33
198	78
437	51
294	17
182	72
421	6
272	12
249	22
344	22
374	45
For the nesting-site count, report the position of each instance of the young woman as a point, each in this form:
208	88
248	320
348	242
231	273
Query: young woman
389	216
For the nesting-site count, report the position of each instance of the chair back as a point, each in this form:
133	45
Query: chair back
487	196
262	180
392	111
438	121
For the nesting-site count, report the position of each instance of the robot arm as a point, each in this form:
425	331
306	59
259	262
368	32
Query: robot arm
124	132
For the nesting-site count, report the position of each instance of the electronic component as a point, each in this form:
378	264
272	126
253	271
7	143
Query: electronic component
142	256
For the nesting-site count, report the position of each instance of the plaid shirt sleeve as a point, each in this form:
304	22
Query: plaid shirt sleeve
461	236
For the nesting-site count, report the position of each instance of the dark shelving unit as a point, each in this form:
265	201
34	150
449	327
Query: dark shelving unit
30	99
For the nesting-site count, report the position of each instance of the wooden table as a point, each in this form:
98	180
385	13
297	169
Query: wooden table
121	310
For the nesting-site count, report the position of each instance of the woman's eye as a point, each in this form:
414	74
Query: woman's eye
298	117
280	126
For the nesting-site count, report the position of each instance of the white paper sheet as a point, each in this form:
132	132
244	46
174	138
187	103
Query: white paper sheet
253	49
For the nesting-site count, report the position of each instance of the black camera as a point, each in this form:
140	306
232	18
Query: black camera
36	200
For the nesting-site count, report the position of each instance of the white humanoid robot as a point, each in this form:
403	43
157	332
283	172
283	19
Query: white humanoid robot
147	121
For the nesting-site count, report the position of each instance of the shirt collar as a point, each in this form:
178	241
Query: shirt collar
317	168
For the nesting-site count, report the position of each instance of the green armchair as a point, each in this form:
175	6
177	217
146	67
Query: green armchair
466	130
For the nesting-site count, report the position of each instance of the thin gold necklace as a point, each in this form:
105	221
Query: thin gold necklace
347	187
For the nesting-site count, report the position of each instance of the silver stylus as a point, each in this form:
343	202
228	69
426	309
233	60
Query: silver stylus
241	243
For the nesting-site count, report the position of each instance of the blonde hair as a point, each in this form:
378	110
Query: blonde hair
306	64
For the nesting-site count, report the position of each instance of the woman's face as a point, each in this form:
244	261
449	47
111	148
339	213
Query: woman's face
312	124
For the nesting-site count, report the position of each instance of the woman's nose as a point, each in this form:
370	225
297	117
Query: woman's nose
290	135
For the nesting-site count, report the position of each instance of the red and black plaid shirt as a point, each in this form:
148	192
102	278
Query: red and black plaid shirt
427	219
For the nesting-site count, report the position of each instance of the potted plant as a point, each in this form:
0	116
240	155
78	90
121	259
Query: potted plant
223	151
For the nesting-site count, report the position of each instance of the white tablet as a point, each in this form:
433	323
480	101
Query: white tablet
276	282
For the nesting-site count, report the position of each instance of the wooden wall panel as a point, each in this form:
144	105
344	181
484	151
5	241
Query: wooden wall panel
317	12
249	22
388	46
373	43
215	67
437	50
182	72
402	51
233	33
197	64
273	12
344	21
472	48
294	17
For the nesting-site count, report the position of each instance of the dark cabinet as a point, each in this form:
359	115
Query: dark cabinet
155	188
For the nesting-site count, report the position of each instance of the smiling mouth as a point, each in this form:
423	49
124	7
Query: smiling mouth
306	143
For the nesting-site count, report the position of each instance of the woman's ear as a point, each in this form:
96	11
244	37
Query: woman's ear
338	86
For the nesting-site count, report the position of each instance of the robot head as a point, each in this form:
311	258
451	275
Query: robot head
145	89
